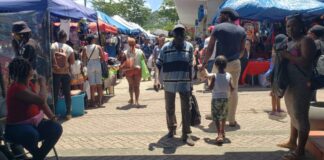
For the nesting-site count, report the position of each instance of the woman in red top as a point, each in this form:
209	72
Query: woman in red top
25	119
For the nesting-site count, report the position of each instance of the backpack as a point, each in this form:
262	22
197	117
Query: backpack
317	79
60	61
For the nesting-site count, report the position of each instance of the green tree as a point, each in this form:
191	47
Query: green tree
168	10
131	10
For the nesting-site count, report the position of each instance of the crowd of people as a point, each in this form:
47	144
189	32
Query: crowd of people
174	65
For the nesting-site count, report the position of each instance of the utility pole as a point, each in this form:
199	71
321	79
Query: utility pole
85	3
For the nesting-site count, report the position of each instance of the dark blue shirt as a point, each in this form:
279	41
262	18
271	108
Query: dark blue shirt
229	37
147	49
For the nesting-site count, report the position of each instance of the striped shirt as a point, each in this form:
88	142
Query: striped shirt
176	67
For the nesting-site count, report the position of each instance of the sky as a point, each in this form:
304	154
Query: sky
153	4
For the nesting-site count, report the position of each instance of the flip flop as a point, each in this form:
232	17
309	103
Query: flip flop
219	140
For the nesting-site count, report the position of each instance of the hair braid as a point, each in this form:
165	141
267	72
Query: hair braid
19	69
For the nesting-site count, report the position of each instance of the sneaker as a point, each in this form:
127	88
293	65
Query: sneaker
188	140
68	117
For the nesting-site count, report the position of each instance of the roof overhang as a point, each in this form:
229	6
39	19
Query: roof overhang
188	10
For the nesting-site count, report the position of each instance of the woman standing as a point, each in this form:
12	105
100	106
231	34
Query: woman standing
132	70
300	54
93	55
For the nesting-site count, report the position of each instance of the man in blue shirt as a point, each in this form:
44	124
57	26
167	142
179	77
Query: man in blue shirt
230	43
175	63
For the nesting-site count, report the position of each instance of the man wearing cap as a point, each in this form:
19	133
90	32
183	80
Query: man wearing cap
24	46
175	63
230	43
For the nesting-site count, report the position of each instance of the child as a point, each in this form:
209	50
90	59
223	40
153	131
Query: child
221	85
77	78
275	100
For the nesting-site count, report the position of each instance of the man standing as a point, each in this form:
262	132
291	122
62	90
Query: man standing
175	61
62	57
230	43
156	53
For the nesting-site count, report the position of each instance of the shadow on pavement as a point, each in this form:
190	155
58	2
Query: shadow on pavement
131	106
169	145
275	155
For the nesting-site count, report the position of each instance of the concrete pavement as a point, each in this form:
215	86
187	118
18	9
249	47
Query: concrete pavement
121	131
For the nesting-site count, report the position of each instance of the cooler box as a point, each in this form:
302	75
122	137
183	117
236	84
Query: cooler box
77	106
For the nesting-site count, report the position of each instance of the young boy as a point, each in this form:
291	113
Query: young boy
221	85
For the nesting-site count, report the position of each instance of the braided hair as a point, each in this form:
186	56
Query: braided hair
19	69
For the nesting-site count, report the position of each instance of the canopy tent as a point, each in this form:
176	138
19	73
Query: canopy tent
122	21
70	9
135	25
105	18
103	27
22	5
93	26
59	8
160	31
273	10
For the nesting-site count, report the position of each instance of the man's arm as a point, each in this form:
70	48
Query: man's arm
209	50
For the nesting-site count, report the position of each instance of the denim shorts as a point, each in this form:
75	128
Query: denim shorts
94	72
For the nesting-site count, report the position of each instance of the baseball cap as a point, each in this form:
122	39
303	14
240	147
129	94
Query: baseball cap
231	12
179	26
20	27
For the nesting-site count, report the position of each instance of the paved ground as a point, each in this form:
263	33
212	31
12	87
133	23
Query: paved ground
119	131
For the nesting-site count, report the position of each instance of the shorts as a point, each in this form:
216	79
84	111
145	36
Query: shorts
94	72
219	109
133	73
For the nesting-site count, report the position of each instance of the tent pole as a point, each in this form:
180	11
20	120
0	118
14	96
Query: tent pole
99	33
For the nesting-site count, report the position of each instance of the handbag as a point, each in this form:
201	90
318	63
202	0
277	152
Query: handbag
104	69
195	113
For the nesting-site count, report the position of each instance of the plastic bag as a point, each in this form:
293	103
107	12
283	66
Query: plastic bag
145	71
86	88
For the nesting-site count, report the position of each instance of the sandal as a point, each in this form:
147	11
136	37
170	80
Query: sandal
219	140
287	145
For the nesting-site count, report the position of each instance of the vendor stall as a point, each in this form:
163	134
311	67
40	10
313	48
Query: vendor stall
37	14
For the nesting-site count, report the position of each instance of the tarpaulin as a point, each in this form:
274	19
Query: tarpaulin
274	10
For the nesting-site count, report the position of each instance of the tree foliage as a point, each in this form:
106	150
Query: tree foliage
131	10
135	11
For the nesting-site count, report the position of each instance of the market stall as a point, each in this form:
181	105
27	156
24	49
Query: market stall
263	19
38	15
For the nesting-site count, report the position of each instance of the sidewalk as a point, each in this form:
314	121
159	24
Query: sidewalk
120	131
